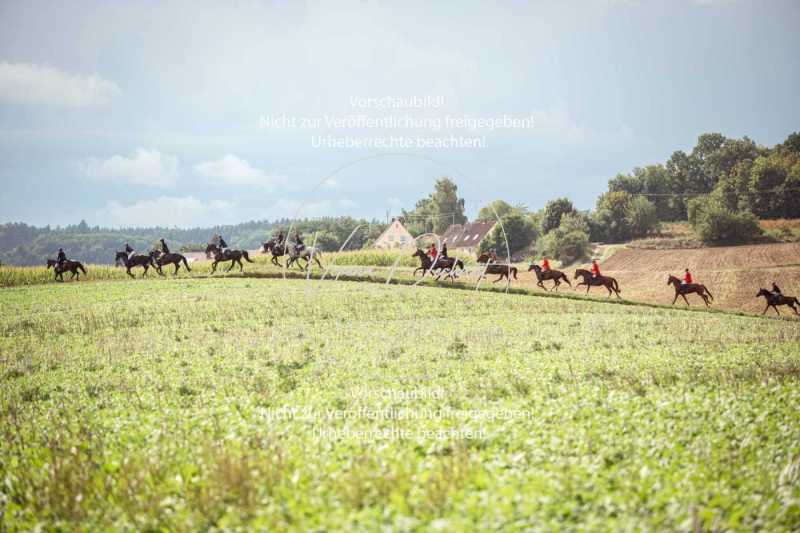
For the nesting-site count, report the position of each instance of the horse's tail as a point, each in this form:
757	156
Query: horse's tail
79	265
185	263
246	256
514	272
616	285
566	278
708	292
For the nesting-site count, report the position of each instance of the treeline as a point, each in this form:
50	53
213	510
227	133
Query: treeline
21	244
722	187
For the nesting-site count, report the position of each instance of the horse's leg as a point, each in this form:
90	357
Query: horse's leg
765	309
685	300
129	271
541	284
241	265
775	307
676	297
177	266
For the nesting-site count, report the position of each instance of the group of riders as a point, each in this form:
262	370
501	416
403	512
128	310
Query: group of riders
436	255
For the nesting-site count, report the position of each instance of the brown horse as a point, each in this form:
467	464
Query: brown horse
555	275
162	259
682	290
774	300
505	271
608	282
72	267
444	265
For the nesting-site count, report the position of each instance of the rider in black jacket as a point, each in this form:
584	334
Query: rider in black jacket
164	247
61	258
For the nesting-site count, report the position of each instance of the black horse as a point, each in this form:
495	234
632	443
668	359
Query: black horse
144	261
444	265
278	249
234	256
774	300
556	275
503	270
162	259
73	267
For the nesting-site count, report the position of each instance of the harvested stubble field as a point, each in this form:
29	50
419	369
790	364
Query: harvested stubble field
190	404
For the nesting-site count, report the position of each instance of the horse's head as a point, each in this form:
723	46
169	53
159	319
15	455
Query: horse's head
266	246
581	272
418	253
51	263
483	258
763	292
672	280
535	267
120	258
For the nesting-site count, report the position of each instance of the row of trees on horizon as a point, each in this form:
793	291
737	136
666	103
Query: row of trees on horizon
722	187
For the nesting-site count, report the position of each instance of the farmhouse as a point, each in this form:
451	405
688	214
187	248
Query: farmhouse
395	236
467	237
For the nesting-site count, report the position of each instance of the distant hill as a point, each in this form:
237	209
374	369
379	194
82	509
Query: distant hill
21	244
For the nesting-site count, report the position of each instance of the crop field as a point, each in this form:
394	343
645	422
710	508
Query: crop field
223	403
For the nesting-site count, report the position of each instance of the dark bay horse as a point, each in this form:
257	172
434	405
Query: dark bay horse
682	290
556	275
444	265
174	259
277	249
774	300
144	261
73	267
601	281
234	256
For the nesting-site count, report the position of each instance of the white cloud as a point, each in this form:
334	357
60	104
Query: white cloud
144	167
27	83
168	211
286	208
231	170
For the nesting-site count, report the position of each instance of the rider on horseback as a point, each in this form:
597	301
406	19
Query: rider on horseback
687	278
61	258
223	246
129	250
164	247
433	252
595	269
444	251
280	238
299	245
776	291
545	265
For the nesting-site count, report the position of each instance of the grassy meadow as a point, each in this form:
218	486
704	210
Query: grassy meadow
245	403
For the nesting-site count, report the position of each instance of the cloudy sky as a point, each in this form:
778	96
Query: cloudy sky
147	113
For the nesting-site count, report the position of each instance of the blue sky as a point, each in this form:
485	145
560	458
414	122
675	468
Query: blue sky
144	113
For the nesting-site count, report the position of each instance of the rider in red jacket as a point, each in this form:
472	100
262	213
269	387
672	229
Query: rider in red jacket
687	277
595	269
545	264
433	253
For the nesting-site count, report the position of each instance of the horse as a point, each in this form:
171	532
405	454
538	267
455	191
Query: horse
682	290
505	271
443	265
174	259
73	267
145	261
277	249
605	281
555	275
774	300
234	256
309	253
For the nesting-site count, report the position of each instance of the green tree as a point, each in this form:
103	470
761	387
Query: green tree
553	211
715	224
436	212
519	230
500	207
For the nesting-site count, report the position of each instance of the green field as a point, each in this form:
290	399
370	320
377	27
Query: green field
189	404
